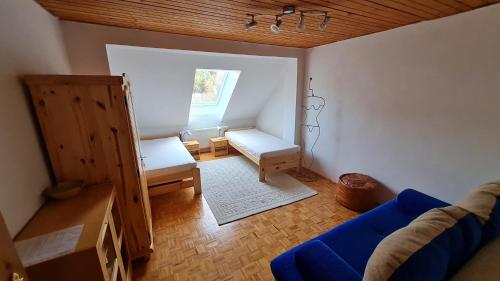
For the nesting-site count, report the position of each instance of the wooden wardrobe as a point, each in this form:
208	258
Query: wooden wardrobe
90	133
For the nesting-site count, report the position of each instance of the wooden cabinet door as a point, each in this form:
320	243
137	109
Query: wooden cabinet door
138	154
66	114
10	265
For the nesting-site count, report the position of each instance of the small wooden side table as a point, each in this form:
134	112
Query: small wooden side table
219	146
193	147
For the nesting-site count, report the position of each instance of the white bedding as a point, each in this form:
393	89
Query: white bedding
260	144
168	156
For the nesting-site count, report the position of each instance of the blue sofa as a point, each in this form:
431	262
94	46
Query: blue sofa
344	251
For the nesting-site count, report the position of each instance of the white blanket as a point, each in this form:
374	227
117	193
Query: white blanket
166	155
260	144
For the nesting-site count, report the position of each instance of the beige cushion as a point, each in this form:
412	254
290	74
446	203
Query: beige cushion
482	200
398	247
484	266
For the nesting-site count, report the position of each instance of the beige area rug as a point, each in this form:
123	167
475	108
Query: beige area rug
232	189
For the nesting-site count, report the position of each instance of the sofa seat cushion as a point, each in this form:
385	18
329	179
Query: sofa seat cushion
317	262
484	202
432	247
356	240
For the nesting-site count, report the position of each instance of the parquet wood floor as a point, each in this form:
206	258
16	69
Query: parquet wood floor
189	245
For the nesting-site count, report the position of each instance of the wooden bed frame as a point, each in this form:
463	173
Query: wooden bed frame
159	183
270	164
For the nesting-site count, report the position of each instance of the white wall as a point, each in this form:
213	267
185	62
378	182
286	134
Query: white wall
31	44
278	115
86	47
162	85
418	106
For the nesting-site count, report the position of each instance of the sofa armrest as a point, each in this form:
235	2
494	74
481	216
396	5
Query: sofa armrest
318	262
418	202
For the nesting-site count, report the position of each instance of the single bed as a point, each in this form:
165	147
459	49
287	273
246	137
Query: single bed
270	153
169	166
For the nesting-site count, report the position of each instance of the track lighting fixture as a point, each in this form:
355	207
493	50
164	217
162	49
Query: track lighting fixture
275	27
252	24
301	26
324	23
288	11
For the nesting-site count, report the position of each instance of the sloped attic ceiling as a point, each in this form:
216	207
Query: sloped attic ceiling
162	84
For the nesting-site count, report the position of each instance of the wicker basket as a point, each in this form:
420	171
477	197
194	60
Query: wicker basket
356	192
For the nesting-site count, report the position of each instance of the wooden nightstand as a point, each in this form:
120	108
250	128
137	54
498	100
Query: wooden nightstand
194	148
219	146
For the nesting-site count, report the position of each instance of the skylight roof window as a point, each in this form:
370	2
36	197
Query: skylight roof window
212	90
207	86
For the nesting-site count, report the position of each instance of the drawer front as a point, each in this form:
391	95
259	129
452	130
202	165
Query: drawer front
192	147
220	143
220	153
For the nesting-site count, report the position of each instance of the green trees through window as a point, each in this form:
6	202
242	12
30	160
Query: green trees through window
212	90
207	86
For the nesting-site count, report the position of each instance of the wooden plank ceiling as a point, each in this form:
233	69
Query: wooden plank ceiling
225	19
